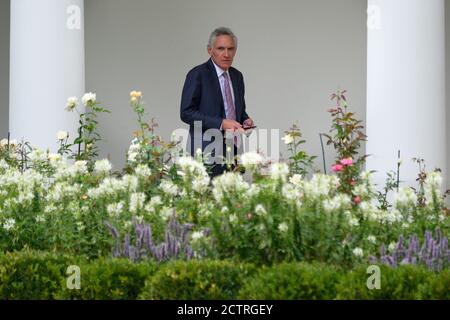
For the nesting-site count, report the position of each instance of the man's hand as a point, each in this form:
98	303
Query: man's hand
248	123
231	125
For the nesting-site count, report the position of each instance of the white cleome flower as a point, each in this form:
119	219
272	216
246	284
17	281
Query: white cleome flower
279	171
432	187
114	209
251	159
143	171
9	224
392	246
320	185
296	179
80	167
168	187
358	252
200	184
372	239
136	201
228	184
54	157
3	142
72	103
260	210
197	235
283	227
61	135
405	198
233	218
155	201
338	202
354	222
37	155
166	213
288	139
102	166
190	166
88	97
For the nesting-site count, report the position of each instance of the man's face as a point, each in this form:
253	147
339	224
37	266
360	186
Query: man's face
222	51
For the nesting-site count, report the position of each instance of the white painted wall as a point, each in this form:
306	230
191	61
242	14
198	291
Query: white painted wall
406	87
46	67
293	54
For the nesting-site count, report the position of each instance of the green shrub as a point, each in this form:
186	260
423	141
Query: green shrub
33	274
197	280
292	281
437	287
405	282
110	279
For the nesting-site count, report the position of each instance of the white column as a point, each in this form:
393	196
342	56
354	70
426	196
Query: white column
46	67
405	86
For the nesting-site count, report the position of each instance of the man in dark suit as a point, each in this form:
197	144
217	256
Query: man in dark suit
213	101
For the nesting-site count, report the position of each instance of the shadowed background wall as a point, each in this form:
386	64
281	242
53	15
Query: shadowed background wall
4	67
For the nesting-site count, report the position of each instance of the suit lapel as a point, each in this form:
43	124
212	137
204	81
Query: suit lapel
216	86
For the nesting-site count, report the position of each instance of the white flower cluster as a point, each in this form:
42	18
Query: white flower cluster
283	227
260	210
319	186
62	190
114	209
405	198
37	155
137	201
371	213
228	184
64	170
279	171
432	187
338	202
290	192
197	235
168	187
134	150
358	252
88	97
72	103
112	186
9	224
365	187
251	160
143	171
102	166
297	180
194	172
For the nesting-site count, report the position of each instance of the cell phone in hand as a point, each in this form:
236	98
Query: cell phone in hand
247	128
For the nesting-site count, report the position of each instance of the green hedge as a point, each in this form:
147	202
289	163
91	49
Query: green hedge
43	275
33	274
196	280
107	279
292	281
402	283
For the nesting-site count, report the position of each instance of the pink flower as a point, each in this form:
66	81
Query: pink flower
357	200
337	167
347	161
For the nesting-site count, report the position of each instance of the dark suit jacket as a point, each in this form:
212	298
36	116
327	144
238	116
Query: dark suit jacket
202	99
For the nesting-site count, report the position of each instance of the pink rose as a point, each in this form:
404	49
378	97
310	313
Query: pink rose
337	167
347	161
357	200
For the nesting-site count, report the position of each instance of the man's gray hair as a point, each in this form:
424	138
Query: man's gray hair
222	31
